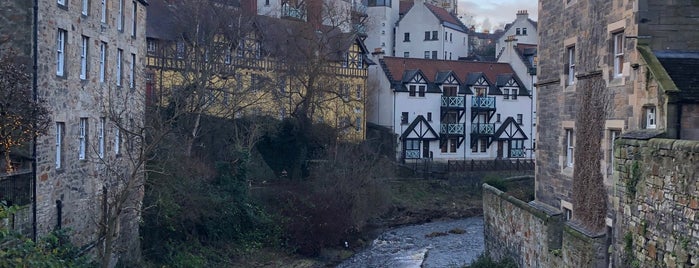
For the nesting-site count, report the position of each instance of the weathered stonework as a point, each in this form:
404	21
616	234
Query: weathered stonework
76	188
658	185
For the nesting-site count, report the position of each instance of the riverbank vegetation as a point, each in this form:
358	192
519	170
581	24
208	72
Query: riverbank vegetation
259	192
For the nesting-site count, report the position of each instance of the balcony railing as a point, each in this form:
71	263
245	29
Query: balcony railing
483	128
359	28
452	129
517	153
453	101
297	13
410	154
483	102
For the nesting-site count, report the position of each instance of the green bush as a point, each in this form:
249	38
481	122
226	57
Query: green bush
484	261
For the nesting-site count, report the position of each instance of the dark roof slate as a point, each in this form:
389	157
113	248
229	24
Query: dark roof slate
683	68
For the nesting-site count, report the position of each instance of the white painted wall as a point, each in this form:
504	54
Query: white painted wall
420	20
380	23
522	21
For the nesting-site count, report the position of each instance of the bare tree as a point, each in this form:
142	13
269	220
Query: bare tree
22	117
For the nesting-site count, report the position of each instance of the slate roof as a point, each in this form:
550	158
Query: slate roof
446	18
504	78
395	68
683	68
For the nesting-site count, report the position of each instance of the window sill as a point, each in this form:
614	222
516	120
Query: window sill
567	171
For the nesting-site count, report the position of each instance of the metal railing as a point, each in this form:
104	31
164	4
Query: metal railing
483	102
457	128
483	128
16	188
517	153
297	13
491	164
453	101
412	154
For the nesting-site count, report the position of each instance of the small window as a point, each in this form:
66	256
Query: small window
650	118
119	69
134	18
518	32
427	54
266	2
359	92
100	136
117	140
434	55
421	91
152	46
120	15
524	31
60	128
180	50
83	57
484	145
519	119
506	93
85	6
406	37
429	116
103	60
568	214
132	77
82	138
613	135
103	11
404	118
571	65
406	54
411	90
435	35
358	124
60	51
61	2
497	118
569	147
427	35
618	54
513	93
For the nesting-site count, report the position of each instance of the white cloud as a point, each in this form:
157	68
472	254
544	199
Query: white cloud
497	12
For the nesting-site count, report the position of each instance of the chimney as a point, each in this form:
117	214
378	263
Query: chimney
249	6
523	14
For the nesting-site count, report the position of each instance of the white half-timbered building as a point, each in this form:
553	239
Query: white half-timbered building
448	110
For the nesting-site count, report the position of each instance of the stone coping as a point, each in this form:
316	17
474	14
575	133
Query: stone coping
579	231
544	214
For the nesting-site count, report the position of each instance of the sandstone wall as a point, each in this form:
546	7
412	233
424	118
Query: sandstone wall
658	185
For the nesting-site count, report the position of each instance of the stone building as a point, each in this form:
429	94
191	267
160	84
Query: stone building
85	58
609	70
264	66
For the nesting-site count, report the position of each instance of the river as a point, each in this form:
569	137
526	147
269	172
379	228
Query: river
451	243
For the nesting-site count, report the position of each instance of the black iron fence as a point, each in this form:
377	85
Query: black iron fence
490	165
16	188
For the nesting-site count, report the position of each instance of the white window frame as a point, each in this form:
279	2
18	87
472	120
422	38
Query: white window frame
613	135
120	16
132	76
61	2
83	57
82	139
85	7
103	11
103	61
60	128
100	136
651	117
119	58
618	51
134	18
570	51
117	140
152	46
60	51
570	146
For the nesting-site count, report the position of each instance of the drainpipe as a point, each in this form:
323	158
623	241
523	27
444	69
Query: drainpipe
35	57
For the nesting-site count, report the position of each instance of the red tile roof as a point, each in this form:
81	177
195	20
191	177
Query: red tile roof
395	67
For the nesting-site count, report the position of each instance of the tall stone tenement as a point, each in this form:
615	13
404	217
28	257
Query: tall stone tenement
86	59
610	69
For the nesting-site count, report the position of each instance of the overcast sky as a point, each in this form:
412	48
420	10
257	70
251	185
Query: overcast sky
490	14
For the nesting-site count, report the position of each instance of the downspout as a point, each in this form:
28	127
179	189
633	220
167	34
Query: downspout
35	68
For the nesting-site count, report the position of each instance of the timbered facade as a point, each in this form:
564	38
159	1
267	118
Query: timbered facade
268	67
451	109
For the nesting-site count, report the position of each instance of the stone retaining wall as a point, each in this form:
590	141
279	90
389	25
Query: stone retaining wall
658	188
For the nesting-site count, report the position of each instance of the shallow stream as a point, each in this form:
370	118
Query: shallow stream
451	243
